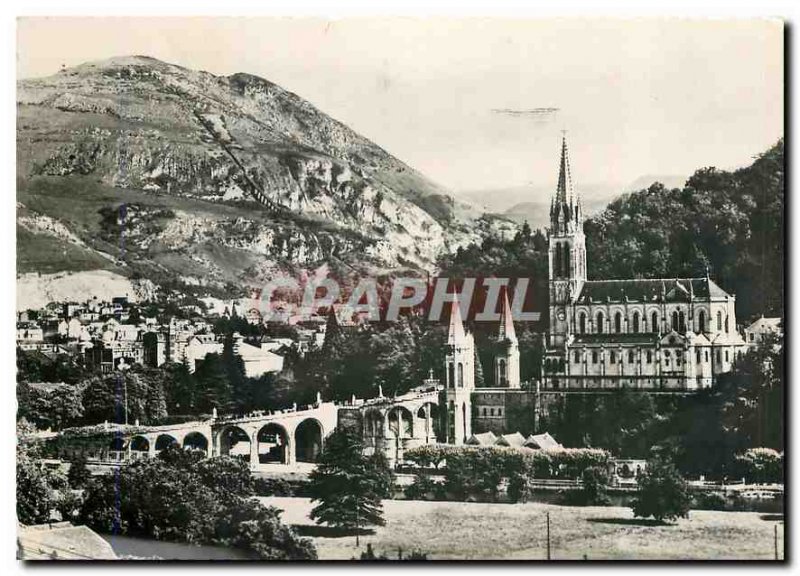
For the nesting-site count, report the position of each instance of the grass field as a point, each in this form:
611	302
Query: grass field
466	530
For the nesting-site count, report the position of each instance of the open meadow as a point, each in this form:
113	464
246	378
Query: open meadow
468	530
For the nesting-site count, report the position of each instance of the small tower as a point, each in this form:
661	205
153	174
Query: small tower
459	379
567	251
506	361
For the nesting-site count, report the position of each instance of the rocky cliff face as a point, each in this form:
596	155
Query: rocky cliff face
297	187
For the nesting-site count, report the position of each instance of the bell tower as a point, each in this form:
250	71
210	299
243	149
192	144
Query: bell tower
567	250
459	379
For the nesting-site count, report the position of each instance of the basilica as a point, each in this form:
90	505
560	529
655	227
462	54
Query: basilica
649	334
664	335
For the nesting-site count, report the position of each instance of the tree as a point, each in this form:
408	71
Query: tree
663	493
594	482
78	475
54	407
213	386
182	496
349	486
38	487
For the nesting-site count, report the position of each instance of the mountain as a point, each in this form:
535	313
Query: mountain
150	170
532	203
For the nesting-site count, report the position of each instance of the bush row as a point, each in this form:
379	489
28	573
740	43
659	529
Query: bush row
479	471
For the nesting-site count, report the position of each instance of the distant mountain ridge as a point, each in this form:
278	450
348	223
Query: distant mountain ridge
224	180
532	203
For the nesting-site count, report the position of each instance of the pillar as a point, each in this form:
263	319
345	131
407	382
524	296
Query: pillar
427	423
151	446
289	456
254	450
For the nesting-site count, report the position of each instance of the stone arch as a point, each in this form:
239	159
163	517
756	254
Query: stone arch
273	444
401	422
234	441
373	423
196	441
140	444
165	440
308	440
429	417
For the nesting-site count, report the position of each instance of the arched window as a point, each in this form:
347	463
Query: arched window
675	321
726	323
582	323
636	322
577	357
557	267
451	376
654	321
702	321
682	323
649	357
501	364
460	375
719	321
613	358
594	357
566	271
618	323
630	357
599	329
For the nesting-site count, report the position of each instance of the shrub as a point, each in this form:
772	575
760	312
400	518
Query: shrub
709	501
273	487
423	487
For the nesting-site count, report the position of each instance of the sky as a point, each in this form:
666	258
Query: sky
636	97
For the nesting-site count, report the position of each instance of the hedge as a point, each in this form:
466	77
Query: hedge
479	470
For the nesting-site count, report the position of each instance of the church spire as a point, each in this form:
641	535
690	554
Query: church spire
565	193
456	332
506	331
566	212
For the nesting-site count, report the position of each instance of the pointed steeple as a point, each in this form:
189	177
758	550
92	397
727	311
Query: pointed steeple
506	331
565	193
456	332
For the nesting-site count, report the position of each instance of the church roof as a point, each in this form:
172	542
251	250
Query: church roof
483	439
542	442
514	440
647	290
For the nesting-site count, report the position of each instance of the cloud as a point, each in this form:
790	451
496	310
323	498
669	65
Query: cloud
532	112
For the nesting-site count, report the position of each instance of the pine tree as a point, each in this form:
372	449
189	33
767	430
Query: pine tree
348	485
214	389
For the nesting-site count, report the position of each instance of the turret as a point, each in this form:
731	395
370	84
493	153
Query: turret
459	378
506	362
